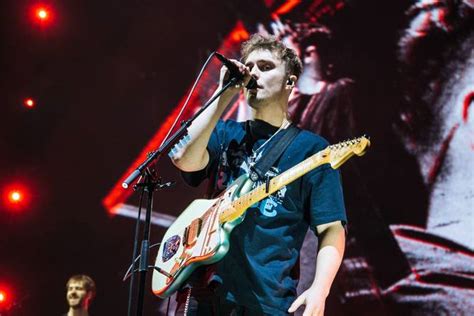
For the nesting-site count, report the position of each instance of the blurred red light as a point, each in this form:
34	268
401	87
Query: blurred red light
29	102
42	14
15	196
5	299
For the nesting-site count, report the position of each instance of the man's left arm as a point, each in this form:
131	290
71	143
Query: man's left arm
331	250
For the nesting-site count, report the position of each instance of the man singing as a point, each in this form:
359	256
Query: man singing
259	273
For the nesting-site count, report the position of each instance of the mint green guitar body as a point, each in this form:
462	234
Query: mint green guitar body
196	238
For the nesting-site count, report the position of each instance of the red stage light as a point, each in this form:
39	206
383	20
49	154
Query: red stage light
29	102
5	299
15	197
41	14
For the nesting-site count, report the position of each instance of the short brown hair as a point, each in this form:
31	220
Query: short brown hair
271	43
87	281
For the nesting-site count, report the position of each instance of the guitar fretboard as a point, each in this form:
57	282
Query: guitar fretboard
335	154
240	205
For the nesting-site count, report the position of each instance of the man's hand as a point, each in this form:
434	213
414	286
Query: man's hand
224	77
314	299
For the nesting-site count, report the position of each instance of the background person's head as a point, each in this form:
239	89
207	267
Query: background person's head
80	290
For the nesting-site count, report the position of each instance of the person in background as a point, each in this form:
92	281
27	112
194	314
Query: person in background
80	293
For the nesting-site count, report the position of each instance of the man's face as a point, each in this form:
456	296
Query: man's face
270	72
77	295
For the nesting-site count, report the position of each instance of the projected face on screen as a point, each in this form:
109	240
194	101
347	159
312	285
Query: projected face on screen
437	62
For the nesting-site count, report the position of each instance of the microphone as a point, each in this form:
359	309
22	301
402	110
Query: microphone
235	72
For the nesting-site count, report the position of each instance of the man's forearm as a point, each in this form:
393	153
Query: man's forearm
331	250
330	254
194	155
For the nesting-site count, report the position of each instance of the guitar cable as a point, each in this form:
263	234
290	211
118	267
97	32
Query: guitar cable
129	271
198	78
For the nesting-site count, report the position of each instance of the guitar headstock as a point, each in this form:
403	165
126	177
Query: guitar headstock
338	153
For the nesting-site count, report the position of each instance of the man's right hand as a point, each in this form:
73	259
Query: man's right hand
225	76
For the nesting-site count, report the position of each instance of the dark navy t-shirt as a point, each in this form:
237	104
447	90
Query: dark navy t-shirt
258	270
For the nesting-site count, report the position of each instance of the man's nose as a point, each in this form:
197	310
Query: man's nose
255	73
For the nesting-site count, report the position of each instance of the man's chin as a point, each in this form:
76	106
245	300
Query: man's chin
254	102
75	303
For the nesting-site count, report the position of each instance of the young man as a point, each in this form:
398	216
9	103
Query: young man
257	276
80	292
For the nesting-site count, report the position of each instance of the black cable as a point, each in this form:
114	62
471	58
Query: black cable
127	274
189	96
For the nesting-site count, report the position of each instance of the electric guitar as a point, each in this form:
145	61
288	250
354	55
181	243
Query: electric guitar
200	235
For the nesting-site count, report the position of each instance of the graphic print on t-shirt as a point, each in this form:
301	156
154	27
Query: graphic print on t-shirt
234	162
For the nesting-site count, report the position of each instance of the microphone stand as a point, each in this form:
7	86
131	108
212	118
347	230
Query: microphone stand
150	184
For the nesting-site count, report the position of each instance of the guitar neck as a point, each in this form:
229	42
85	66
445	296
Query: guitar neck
240	205
335	155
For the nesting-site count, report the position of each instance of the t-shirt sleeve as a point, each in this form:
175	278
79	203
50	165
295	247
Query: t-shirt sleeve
214	148
324	196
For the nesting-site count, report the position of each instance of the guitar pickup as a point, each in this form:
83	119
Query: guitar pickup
191	233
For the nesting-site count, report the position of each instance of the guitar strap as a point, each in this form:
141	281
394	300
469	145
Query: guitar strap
258	171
